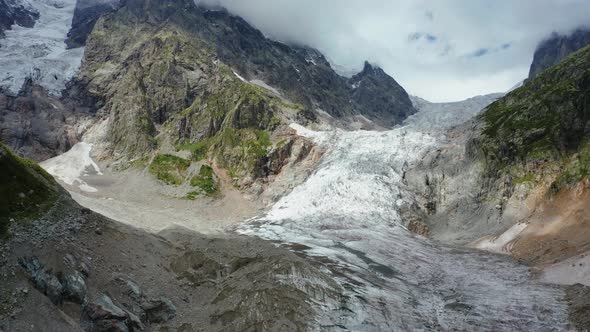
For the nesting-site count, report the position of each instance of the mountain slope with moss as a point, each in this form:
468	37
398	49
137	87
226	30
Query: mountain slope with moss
159	83
26	190
516	179
542	129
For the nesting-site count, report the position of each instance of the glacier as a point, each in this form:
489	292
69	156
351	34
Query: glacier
40	53
346	216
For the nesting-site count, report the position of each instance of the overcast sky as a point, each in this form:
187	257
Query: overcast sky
441	50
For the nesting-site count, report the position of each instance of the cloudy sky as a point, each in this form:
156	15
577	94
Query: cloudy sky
441	50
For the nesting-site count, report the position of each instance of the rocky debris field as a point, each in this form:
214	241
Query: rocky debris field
73	270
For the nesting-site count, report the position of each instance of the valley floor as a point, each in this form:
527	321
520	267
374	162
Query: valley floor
135	198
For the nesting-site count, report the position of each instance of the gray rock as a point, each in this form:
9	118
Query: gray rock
108	306
43	280
104	316
159	310
36	125
134	322
69	260
303	74
556	48
133	290
86	14
85	268
75	288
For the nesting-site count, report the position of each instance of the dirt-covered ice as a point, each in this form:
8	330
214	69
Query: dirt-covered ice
347	216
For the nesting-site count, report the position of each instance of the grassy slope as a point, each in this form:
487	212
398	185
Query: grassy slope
26	190
541	128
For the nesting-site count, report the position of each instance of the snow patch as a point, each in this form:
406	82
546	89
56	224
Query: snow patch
311	61
240	77
501	244
71	166
262	84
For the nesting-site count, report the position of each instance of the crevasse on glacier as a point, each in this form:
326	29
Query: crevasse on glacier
348	212
40	52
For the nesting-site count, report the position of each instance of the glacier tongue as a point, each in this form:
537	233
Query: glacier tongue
348	212
40	52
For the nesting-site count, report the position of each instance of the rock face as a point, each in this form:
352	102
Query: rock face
556	48
17	12
38	126
166	81
446	180
540	127
379	97
86	14
523	161
303	74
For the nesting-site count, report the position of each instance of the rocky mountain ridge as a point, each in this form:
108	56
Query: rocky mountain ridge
303	74
197	100
86	14
556	48
168	77
208	83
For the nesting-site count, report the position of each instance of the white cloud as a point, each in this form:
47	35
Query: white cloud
440	65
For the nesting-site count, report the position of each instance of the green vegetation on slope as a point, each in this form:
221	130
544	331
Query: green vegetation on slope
198	150
542	125
26	190
205	181
169	169
233	125
576	169
181	93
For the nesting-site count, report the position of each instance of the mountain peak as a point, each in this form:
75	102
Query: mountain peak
372	69
556	48
368	67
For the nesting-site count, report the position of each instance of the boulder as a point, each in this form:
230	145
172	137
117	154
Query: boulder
75	288
43	280
103	315
159	310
